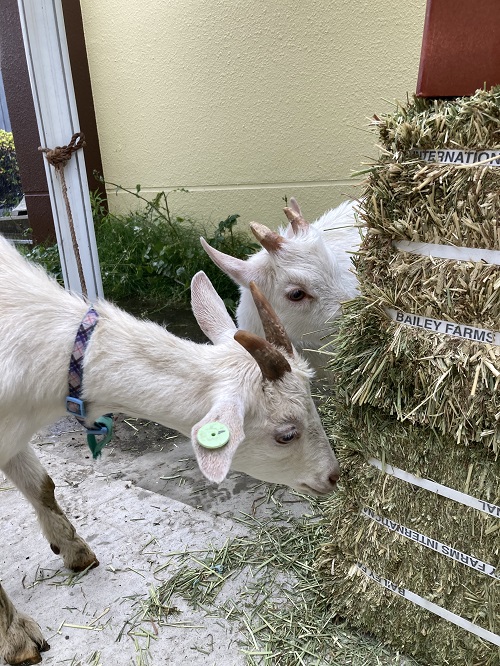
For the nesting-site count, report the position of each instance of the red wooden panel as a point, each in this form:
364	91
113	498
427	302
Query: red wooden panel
460	47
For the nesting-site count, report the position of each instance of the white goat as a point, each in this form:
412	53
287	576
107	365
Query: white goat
305	271
258	388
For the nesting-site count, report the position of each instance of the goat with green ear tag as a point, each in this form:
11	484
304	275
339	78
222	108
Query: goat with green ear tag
257	390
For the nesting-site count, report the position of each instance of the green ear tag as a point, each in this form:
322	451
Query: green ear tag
213	435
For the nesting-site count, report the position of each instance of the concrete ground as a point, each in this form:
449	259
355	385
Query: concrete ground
141	501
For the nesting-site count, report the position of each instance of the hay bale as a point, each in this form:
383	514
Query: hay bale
445	382
408	199
421	399
446	581
468	122
433	379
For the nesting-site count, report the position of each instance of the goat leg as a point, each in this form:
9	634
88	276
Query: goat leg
31	479
21	640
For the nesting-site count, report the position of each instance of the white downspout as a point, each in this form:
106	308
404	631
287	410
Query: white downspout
49	70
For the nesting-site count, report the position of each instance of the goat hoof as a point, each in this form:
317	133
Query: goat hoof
24	642
77	556
92	564
33	658
44	647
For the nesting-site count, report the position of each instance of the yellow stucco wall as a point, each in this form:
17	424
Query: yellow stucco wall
246	102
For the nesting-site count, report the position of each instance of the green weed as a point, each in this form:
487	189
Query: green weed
10	180
150	255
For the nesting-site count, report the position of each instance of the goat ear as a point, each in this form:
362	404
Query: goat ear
237	269
209	309
215	463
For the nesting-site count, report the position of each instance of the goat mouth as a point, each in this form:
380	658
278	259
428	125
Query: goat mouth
309	490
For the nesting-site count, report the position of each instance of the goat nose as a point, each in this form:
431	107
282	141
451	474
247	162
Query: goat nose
334	477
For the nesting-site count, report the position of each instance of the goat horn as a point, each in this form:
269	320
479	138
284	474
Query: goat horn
273	328
270	240
296	220
270	360
294	205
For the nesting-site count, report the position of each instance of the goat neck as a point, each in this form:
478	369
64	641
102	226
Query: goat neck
139	368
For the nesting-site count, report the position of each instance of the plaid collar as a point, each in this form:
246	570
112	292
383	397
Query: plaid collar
103	426
74	404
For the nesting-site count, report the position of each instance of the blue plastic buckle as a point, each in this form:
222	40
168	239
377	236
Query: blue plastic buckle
79	412
97	431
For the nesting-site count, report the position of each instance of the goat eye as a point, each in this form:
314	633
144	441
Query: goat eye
296	295
286	437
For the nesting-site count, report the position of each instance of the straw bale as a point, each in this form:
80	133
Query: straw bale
425	402
460	291
429	378
445	382
433	203
464	122
365	432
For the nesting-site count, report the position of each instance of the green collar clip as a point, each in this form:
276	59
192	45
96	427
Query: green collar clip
103	428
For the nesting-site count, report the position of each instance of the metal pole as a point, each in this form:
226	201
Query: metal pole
44	36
